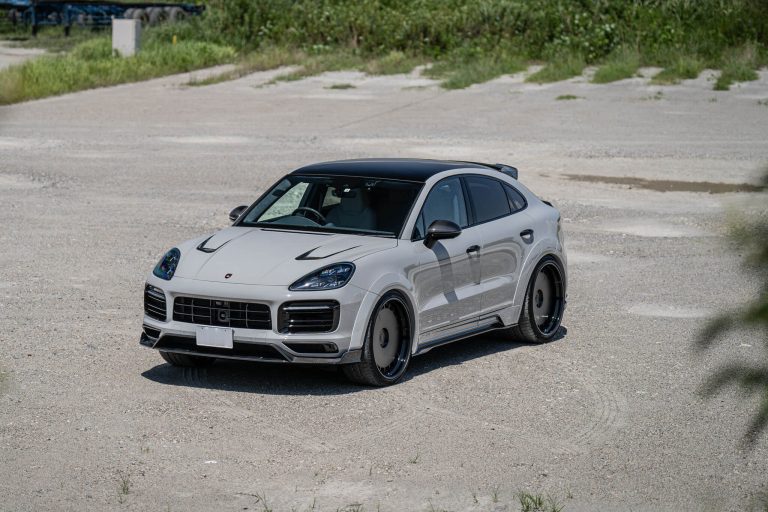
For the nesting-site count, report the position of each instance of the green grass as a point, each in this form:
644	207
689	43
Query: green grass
315	64
538	503
262	60
740	66
735	72
123	487
619	65
468	41
91	64
275	57
562	67
568	97
463	69
53	38
659	95
684	67
393	63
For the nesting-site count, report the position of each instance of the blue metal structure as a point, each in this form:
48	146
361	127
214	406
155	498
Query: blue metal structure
38	13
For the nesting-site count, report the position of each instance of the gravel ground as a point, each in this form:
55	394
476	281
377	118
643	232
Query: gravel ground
95	186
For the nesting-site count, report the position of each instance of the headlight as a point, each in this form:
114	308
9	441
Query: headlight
166	267
328	278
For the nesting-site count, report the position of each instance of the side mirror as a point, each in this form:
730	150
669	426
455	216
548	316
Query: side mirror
234	214
441	230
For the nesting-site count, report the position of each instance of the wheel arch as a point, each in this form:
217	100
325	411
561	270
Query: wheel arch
527	273
369	303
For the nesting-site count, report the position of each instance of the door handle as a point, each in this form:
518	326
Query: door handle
473	248
527	235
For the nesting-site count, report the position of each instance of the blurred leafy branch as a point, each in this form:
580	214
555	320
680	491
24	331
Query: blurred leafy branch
750	376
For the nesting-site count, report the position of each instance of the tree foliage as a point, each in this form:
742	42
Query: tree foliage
750	376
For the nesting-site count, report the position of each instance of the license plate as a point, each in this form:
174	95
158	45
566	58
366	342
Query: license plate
217	337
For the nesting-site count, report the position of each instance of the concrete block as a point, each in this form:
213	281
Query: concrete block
126	36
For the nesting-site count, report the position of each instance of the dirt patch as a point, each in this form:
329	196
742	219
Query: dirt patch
708	187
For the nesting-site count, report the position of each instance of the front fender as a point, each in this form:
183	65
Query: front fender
384	283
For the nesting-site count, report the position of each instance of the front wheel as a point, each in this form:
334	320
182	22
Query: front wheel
186	361
387	345
544	304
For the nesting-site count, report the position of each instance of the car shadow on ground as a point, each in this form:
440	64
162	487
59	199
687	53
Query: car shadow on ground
284	379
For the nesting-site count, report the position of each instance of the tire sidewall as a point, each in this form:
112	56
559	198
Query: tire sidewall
368	343
546	260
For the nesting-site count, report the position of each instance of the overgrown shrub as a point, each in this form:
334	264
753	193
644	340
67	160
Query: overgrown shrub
540	29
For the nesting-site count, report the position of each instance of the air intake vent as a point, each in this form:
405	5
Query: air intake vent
308	316
154	303
222	313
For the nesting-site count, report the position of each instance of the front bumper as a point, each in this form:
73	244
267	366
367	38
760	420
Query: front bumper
243	351
267	345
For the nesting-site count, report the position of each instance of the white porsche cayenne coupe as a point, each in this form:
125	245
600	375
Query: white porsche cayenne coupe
363	264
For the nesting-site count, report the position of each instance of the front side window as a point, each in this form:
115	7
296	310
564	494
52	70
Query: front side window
488	198
339	204
444	202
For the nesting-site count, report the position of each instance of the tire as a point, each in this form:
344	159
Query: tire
157	15
387	345
128	14
177	14
186	361
141	15
543	306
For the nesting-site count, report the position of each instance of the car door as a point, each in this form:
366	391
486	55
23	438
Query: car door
506	239
448	279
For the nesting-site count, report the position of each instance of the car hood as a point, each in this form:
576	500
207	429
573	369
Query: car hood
270	256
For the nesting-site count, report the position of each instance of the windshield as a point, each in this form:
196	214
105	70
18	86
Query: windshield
341	204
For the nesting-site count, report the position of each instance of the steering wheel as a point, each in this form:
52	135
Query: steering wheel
314	212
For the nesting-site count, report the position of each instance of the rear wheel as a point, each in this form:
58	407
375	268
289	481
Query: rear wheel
387	345
544	304
186	361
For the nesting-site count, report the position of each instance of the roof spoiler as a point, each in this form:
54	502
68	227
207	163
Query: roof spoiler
507	169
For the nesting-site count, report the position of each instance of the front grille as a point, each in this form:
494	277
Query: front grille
308	316
246	350
154	303
222	313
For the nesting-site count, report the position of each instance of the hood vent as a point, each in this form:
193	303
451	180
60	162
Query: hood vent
202	247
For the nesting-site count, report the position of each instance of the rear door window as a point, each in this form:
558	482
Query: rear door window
516	200
488	197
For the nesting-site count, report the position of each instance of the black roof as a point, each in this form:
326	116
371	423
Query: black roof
411	169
